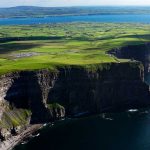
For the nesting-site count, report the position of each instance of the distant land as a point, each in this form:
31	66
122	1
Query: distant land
33	11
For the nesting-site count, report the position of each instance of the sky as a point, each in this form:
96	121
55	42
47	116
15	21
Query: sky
55	3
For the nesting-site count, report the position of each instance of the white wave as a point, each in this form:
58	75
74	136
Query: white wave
132	110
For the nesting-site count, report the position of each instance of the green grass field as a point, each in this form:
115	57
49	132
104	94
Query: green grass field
48	46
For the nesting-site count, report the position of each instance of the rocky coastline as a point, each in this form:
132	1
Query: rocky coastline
42	96
12	141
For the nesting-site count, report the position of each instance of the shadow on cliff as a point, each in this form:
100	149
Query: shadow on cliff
72	90
116	88
136	52
25	93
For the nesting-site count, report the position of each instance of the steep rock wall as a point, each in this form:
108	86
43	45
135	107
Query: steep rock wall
136	52
119	86
73	90
28	90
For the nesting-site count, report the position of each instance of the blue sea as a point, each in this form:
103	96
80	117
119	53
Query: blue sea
121	131
84	18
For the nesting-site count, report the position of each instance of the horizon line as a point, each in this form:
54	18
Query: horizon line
77	6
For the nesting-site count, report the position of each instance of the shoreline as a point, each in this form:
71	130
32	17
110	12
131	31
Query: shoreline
14	140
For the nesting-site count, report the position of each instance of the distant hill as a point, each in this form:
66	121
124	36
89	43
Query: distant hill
32	11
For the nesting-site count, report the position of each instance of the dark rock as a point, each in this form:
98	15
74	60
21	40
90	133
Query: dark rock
76	90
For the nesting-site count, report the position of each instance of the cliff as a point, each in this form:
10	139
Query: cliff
115	87
136	52
31	97
75	90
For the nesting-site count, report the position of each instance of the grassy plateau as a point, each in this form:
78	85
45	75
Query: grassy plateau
48	46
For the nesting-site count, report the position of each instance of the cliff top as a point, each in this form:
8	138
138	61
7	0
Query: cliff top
47	46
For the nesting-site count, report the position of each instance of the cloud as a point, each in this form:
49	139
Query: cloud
53	3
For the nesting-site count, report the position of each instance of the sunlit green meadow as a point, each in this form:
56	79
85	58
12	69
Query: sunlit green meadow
82	44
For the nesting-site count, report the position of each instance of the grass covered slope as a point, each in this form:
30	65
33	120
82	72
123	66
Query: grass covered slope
49	46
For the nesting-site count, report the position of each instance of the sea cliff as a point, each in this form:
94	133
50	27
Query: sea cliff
41	96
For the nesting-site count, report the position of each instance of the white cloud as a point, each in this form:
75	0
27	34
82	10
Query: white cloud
8	3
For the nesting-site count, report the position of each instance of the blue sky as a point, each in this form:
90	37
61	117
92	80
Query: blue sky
54	3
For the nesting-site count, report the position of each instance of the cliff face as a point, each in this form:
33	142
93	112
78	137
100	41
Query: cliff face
29	90
43	96
75	90
136	52
117	87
